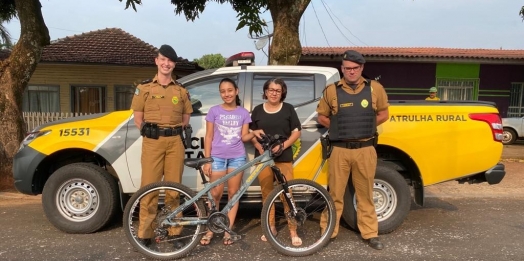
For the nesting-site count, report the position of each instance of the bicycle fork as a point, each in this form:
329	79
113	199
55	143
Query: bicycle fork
287	195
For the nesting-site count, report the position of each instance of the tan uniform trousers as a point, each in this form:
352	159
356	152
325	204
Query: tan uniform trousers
362	164
164	156
266	180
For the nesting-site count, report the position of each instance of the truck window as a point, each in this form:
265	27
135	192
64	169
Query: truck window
204	93
300	88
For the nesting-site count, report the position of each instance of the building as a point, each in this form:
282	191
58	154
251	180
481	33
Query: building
459	74
93	72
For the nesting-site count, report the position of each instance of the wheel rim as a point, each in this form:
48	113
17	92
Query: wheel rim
384	198
77	200
506	136
133	220
309	204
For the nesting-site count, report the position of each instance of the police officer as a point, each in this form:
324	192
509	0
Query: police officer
352	108
433	94
161	110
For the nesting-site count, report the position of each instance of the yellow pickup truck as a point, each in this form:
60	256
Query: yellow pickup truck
86	167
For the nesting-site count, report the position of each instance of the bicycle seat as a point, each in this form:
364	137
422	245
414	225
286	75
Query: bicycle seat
197	163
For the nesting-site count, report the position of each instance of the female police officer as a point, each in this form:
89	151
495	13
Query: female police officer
161	110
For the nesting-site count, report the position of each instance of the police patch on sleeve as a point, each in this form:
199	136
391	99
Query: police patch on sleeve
137	91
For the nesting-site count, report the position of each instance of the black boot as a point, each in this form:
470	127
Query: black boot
375	243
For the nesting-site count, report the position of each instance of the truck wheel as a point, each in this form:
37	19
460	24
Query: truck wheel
80	198
509	136
392	198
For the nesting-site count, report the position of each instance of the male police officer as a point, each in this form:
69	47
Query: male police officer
161	110
352	108
433	94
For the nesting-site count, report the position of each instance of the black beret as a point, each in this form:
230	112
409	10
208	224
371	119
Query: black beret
168	52
354	56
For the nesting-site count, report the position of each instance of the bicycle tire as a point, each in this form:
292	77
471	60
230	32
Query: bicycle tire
162	247
312	199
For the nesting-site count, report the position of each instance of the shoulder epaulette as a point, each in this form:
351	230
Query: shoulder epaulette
146	81
177	82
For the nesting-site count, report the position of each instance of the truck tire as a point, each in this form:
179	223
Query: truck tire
80	198
509	136
392	198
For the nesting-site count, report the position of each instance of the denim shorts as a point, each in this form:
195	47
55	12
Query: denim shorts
221	164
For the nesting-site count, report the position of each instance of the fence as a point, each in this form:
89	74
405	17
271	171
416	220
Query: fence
34	119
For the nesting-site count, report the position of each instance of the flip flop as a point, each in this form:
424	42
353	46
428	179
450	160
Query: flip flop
206	239
263	237
296	241
227	241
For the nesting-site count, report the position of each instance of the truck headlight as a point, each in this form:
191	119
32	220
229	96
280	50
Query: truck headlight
32	136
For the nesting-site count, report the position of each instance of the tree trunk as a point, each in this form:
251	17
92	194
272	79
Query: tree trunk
15	73
285	47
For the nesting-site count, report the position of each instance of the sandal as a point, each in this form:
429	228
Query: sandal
228	241
273	231
296	241
206	239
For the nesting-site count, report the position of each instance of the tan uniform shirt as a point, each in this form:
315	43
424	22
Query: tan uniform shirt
163	105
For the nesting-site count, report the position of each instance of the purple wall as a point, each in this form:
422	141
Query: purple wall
494	85
495	78
393	76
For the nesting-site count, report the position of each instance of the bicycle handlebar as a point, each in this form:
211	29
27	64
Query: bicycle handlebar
269	142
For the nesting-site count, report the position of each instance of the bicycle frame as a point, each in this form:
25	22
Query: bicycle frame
261	162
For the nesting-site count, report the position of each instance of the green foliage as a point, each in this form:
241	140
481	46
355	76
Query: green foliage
521	13
7	10
5	38
248	11
211	61
132	3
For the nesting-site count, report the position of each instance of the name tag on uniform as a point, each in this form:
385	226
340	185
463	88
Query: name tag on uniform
349	104
157	96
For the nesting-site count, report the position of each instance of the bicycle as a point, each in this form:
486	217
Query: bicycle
183	211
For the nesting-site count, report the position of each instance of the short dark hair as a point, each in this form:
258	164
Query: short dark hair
237	99
275	81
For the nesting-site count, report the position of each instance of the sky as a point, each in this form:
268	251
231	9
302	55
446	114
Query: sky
486	24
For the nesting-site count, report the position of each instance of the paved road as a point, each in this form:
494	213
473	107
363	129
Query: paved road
458	222
488	228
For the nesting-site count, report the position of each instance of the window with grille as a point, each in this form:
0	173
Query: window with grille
456	89
123	97
41	99
516	100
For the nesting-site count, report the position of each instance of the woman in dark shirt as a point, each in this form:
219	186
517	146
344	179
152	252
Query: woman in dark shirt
276	117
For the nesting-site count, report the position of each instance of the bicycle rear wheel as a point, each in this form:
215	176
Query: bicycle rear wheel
167	242
311	199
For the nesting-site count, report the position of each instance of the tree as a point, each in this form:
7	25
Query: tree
521	13
16	71
286	14
211	61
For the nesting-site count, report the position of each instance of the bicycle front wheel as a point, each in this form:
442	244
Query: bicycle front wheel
311	201
146	211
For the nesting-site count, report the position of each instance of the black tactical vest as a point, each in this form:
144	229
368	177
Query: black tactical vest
355	118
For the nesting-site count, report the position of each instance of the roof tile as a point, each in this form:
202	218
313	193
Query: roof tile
105	46
414	52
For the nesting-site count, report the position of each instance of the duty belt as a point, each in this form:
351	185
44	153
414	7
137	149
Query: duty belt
170	131
353	144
